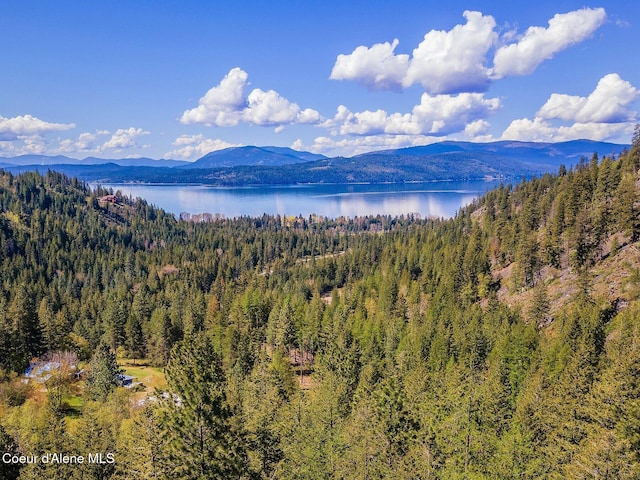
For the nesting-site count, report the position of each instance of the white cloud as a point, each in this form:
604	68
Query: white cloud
596	131
539	43
539	130
25	125
269	109
192	147
357	145
378	68
523	129
602	115
453	61
362	123
453	112
26	144
23	134
456	60
477	129
435	115
226	105
444	62
91	143
221	105
606	104
433	119
85	143
123	139
309	116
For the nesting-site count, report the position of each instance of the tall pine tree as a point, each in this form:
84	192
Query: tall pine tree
197	420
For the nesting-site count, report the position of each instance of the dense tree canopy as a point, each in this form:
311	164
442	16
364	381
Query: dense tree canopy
501	343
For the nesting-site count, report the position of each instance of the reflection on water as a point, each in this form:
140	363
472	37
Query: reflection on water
442	199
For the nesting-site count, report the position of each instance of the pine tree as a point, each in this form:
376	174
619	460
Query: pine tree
114	317
627	211
197	421
52	437
262	403
95	433
8	471
634	154
24	331
135	338
141	443
103	368
159	337
46	318
539	307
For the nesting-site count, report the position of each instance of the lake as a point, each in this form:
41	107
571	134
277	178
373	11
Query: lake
435	199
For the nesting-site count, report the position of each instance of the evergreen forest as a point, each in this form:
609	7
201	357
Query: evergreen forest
503	343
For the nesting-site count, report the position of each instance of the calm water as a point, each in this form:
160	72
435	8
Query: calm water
441	199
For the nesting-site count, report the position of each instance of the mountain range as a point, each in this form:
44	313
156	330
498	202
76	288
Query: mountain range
265	156
45	160
251	165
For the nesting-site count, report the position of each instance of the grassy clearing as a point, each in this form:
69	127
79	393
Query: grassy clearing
73	405
151	377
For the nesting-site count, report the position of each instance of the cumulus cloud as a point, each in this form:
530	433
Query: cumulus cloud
608	103
87	142
478	130
540	130
453	61
270	109
223	104
26	144
524	129
436	115
191	147
433	119
456	60
377	68
356	145
227	105
25	135
27	125
309	116
450	113
123	139
444	62
91	143
604	114
539	43
84	143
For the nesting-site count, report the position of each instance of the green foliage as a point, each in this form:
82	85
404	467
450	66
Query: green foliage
197	421
372	347
20	329
8	471
102	375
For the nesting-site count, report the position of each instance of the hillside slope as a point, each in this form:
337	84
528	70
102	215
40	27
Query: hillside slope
502	343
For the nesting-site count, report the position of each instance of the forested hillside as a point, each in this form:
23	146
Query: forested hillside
503	343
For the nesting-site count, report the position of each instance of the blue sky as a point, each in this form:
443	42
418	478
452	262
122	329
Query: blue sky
178	79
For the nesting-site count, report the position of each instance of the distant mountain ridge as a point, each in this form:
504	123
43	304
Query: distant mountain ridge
249	155
45	160
251	165
228	157
568	149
